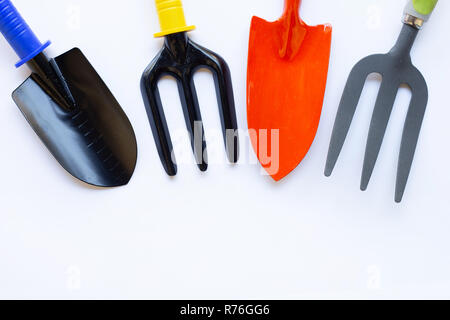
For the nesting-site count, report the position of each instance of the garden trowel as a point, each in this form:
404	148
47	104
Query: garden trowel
287	74
70	108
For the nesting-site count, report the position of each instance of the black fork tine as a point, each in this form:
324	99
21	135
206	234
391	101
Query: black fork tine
156	116
193	118
347	108
225	100
411	131
380	119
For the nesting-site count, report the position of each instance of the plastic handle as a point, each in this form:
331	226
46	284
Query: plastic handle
421	9
18	33
171	17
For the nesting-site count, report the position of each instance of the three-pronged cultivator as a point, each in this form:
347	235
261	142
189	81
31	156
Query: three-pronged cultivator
180	58
395	68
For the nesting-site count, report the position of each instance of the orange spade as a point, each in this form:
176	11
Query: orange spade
287	74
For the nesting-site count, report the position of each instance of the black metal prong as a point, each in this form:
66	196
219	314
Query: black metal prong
193	118
225	100
155	112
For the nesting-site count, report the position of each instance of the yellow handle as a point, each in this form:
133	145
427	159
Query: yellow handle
171	17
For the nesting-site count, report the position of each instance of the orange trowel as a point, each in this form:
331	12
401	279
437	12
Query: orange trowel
287	74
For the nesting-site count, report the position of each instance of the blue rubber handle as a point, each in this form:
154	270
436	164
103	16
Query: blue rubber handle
18	33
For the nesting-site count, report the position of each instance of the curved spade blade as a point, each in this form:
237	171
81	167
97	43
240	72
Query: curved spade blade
96	142
287	73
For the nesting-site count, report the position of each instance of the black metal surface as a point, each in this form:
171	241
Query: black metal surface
76	116
180	58
396	68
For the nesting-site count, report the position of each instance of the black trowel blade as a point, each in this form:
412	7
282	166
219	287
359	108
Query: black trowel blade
96	142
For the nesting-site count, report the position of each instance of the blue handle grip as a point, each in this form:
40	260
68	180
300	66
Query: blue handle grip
18	33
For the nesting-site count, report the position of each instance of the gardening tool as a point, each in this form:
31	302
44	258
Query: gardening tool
180	58
70	108
395	68
287	74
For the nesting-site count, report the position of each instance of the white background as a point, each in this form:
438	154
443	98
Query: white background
231	232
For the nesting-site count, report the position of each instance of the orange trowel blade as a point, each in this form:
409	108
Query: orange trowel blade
287	74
